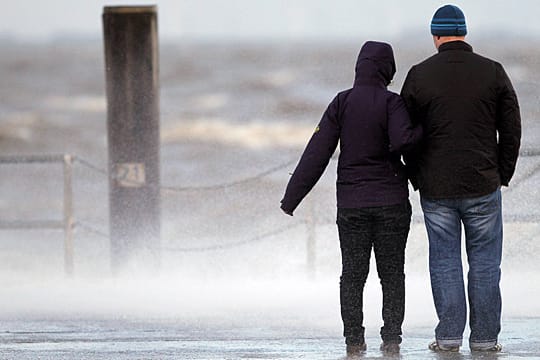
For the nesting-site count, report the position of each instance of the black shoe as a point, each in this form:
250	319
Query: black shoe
356	349
390	348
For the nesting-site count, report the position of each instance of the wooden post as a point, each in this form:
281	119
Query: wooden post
68	214
311	244
131	60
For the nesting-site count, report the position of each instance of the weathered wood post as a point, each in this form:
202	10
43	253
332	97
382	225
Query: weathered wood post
131	60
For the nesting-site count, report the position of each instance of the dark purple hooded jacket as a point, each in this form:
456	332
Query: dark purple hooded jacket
373	129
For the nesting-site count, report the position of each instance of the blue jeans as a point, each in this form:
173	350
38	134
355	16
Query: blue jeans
482	221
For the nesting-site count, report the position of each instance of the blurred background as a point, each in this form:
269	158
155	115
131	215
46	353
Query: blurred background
264	19
243	85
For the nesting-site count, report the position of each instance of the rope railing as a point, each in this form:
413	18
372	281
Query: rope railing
171	188
529	152
32	159
31	224
174	188
90	166
85	226
90	228
236	244
82	225
228	184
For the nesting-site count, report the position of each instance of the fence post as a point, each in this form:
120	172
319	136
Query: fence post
311	252
68	214
131	67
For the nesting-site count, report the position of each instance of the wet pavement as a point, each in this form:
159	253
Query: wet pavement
146	339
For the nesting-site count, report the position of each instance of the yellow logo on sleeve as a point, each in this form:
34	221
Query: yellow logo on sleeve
317	129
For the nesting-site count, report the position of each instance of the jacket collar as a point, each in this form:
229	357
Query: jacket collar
455	45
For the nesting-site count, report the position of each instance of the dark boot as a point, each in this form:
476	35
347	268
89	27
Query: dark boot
356	349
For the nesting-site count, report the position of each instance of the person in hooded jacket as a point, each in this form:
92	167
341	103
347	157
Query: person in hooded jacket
373	129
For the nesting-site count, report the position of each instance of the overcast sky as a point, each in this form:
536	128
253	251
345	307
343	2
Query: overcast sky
251	19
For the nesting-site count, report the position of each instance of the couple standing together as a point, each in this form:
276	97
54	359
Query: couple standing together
457	126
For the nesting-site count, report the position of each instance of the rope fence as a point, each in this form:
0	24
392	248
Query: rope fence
91	229
69	225
227	246
172	188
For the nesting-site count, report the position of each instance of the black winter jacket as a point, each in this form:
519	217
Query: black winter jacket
472	127
373	128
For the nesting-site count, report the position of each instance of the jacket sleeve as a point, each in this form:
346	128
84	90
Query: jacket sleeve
408	94
508	126
314	160
402	134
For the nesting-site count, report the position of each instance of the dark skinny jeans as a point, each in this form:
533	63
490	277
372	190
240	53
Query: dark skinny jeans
385	229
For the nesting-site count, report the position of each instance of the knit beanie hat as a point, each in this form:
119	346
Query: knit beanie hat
448	21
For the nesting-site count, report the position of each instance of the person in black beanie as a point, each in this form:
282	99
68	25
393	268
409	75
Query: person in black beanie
373	129
472	129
